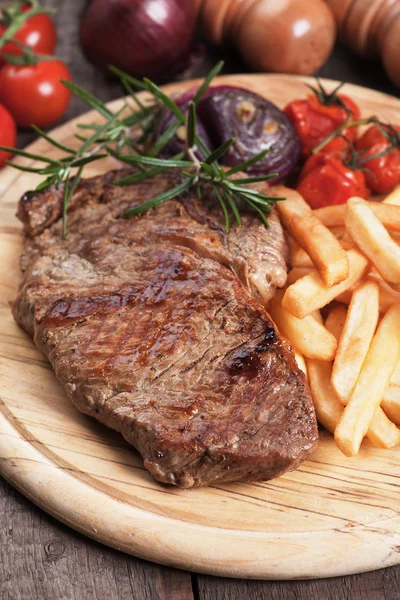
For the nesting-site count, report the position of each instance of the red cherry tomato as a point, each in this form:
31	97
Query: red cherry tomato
382	169
314	120
37	32
34	94
382	172
373	135
326	180
8	133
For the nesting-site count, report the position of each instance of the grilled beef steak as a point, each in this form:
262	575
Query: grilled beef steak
152	325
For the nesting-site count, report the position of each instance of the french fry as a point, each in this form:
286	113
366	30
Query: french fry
387	295
356	338
335	320
301	363
393	197
373	239
372	382
318	242
391	397
334	216
310	293
298	273
382	432
328	407
299	257
308	336
331	216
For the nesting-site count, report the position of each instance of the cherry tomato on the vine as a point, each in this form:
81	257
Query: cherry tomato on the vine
381	157
8	133
382	169
374	135
319	115
326	180
38	33
34	94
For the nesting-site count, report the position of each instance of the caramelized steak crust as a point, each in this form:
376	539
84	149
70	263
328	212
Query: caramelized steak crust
153	325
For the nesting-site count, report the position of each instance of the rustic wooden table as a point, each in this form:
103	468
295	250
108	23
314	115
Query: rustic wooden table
42	559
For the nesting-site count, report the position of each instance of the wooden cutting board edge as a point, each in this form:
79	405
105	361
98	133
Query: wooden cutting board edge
63	492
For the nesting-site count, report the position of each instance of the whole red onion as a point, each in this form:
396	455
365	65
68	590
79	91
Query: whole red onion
145	38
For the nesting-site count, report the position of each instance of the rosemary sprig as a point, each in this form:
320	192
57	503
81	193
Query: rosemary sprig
132	138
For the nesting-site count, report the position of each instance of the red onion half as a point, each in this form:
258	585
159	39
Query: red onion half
145	38
255	123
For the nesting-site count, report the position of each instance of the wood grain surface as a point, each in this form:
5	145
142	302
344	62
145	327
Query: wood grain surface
332	516
87	570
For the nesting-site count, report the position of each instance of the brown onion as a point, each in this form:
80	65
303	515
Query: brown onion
145	38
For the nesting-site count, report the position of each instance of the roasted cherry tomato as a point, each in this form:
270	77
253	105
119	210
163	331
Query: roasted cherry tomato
38	33
326	179
381	157
8	133
318	115
34	94
382	171
374	135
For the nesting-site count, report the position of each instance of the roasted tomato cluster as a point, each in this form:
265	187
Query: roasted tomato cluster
337	163
31	90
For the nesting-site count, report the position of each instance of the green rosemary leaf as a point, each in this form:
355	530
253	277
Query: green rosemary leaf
247	190
248	163
26	154
100	132
81	138
137	177
166	100
138	116
216	155
207	80
256	201
69	190
122	75
246	180
80	162
132	93
75	181
156	162
92	126
207	169
224	209
164	138
91	100
157	200
66	199
233	206
46	183
191	126
52	141
260	212
50	170
202	146
24	168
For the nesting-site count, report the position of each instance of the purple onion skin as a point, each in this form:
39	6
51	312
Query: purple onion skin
255	123
177	143
145	38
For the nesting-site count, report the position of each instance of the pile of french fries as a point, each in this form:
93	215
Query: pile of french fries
340	311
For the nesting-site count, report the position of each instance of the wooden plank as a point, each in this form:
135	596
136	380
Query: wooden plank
41	558
378	585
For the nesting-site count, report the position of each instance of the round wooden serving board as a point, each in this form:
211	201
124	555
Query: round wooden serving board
332	516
